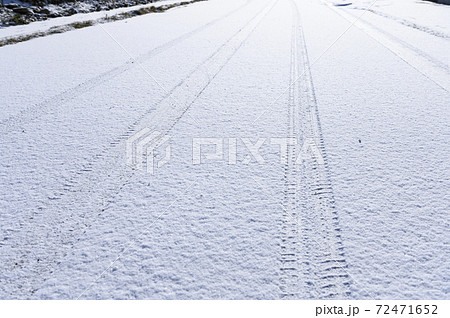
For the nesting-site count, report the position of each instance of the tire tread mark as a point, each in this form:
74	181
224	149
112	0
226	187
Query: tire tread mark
35	111
323	252
289	245
105	177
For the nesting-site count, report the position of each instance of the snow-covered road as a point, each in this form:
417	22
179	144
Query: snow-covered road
301	150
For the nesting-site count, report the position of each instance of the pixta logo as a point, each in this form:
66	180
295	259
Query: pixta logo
148	150
141	150
307	150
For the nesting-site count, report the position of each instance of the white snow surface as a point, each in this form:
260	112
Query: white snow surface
77	222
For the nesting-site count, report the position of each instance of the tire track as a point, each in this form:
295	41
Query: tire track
35	111
323	259
64	220
419	52
405	22
431	68
289	253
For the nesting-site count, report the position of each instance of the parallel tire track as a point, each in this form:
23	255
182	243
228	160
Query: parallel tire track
64	220
407	23
53	103
289	253
322	258
435	70
408	46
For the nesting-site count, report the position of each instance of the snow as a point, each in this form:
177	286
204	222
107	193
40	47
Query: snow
422	14
76	221
42	26
391	188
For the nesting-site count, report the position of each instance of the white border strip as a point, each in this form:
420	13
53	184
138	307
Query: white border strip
208	309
